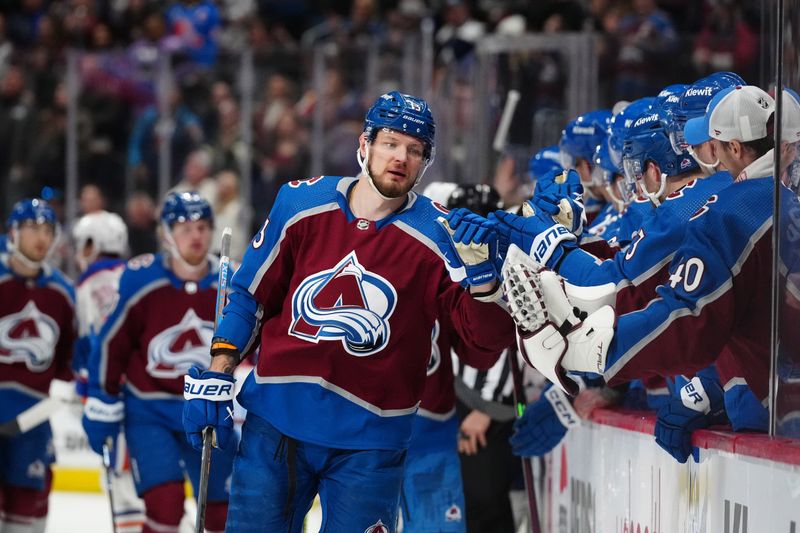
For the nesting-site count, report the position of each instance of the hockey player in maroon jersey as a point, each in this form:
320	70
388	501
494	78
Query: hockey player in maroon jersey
37	331
342	285
160	327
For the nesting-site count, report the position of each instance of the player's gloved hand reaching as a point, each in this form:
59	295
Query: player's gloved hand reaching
536	233
472	245
103	416
699	404
543	424
560	194
209	402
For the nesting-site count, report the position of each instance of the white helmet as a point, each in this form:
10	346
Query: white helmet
106	231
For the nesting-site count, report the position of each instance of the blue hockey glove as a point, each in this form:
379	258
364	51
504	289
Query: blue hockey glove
566	210
471	244
698	404
209	403
559	183
102	419
543	424
538	235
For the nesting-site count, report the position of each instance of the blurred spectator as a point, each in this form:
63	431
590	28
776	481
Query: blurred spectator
228	148
91	199
230	211
279	96
17	134
558	15
457	37
23	23
726	42
6	47
78	19
140	215
194	24
197	175
647	42
149	130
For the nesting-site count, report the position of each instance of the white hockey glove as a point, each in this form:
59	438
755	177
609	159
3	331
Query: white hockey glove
554	336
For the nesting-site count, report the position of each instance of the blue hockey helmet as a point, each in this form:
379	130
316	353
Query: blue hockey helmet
184	207
33	209
544	161
647	140
694	101
405	114
582	135
619	124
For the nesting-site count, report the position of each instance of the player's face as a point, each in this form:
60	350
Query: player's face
584	169
395	161
34	240
193	240
706	153
652	178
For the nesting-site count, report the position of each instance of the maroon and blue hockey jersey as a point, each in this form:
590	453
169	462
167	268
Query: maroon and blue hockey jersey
37	332
344	308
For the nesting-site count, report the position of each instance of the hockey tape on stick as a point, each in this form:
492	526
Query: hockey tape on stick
30	418
501	135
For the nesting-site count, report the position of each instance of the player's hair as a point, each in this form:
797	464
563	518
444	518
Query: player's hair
758	147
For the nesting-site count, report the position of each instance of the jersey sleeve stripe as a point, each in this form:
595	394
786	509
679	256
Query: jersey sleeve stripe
316	380
273	252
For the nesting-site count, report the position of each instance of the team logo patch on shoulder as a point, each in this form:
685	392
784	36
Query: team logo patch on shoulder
28	336
347	303
436	354
453	514
175	350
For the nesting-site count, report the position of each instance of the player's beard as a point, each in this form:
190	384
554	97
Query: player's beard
390	188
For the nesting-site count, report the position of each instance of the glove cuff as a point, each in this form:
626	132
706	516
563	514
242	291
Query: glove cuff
562	407
547	248
215	389
97	410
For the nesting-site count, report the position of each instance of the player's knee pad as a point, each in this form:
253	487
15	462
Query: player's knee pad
216	514
164	507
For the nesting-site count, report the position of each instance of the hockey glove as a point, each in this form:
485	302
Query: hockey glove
543	424
554	336
559	183
103	416
699	404
566	210
209	403
471	244
536	233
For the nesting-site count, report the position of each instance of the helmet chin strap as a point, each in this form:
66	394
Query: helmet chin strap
363	162
620	204
654	197
708	168
172	248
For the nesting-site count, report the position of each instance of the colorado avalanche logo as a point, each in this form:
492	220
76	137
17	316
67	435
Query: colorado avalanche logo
346	303
28	336
436	354
378	527
175	350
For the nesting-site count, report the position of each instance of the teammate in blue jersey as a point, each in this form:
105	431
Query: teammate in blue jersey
543	161
341	287
101	245
37	318
714	304
160	327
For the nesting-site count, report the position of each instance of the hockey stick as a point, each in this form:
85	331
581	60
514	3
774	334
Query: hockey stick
501	135
527	468
108	447
30	418
209	437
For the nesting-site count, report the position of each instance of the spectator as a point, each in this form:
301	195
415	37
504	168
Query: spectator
92	199
229	150
197	175
457	37
17	132
187	134
726	43
6	46
194	24
140	215
647	42
230	211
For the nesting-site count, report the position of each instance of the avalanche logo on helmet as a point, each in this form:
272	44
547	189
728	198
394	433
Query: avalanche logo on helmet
28	336
175	350
346	303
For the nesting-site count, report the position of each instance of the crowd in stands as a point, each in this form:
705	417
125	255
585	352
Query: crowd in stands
125	113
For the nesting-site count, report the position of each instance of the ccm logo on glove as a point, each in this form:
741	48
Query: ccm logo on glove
207	389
